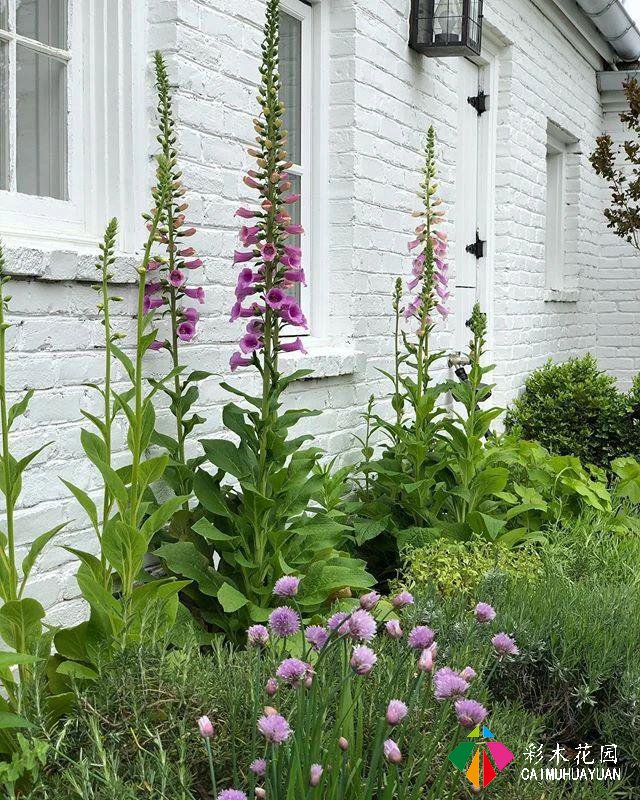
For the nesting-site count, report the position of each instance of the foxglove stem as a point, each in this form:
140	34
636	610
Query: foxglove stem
107	254
12	588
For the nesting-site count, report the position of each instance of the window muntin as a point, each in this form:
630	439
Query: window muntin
33	36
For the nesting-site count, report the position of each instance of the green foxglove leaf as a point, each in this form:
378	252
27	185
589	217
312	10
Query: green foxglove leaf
73	669
8	721
236	461
34	551
209	531
18	409
21	620
230	598
85	501
183	558
8	660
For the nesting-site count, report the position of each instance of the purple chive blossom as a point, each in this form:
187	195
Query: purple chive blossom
369	601
362	626
274	728
258	767
427	659
317	636
363	660
292	671
393	629
315	775
339	622
287	586
421	637
392	752
402	600
484	612
284	621
186	331
468	673
504	645
258	636
447	684
206	727
396	712
272	687
470	713
232	794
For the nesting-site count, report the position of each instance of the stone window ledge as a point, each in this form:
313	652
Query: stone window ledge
561	295
326	360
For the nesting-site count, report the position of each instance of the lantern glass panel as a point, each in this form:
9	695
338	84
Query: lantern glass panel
447	22
474	24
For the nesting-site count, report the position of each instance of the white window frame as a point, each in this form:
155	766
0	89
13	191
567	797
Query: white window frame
32	216
314	167
304	170
107	143
555	251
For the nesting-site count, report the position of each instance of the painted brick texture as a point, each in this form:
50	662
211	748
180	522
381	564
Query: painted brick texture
382	98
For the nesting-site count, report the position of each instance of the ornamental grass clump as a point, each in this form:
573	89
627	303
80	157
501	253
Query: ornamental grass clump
352	720
256	494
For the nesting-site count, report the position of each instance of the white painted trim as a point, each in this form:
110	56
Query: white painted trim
488	142
578	29
107	135
314	168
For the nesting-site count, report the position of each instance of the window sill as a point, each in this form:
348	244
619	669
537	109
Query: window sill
326	360
561	295
75	261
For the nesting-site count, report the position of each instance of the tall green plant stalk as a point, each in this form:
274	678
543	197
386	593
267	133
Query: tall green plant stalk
174	207
9	556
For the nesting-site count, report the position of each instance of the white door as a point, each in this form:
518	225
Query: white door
472	213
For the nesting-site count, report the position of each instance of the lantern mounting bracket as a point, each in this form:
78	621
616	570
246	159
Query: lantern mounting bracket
480	102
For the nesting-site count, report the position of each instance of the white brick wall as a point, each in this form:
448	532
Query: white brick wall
618	289
383	96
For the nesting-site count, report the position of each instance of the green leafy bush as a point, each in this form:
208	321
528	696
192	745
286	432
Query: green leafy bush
454	566
574	408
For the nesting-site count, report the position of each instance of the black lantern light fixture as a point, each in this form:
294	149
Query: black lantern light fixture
446	27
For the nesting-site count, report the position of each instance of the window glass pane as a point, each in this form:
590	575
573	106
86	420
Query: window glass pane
296	241
43	20
4	14
291	78
4	116
41	125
